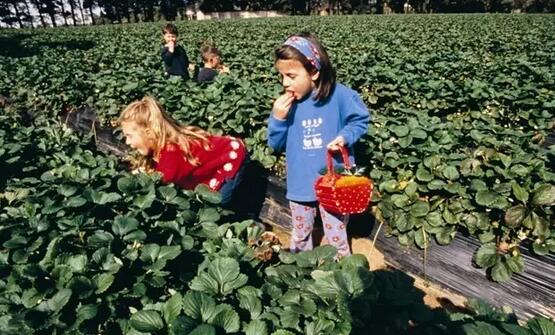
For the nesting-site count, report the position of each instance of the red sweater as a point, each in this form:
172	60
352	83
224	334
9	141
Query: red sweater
216	165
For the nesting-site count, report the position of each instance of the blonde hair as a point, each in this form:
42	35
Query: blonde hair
148	113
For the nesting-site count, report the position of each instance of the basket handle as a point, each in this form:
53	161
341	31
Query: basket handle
344	156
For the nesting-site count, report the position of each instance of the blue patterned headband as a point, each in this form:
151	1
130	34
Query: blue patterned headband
307	48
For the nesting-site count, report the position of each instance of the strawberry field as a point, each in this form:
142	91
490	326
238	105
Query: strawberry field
462	107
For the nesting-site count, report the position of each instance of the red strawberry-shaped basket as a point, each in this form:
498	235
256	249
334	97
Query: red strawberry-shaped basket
343	194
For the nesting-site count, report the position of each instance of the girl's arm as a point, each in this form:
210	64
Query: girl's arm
355	118
277	133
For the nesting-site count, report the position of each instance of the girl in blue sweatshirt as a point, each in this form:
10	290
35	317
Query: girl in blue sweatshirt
314	114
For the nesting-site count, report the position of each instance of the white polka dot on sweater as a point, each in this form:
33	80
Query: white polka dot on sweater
235	145
228	167
213	182
233	155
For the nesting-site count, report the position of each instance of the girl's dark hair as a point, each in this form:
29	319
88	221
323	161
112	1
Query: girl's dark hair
170	28
326	81
207	50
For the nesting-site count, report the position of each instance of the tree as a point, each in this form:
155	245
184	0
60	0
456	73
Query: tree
80	4
89	5
63	11
40	10
72	5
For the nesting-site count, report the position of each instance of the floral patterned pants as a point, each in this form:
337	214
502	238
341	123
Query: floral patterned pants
335	228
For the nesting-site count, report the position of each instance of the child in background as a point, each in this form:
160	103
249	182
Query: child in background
176	63
212	64
314	114
184	155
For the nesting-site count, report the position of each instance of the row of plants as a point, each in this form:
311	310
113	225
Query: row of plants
88	248
460	104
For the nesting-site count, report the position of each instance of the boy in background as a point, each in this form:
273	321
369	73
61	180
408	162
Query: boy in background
175	59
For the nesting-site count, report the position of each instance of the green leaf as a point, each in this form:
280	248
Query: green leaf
405	142
515	263
169	252
250	301
400	200
172	308
199	306
389	186
514	216
450	172
227	319
77	201
86	312
77	262
487	256
480	328
183	325
478	185
541	326
224	272
31	297
418	133
423	174
283	332
146	321
59	300
208	215
400	131
167	193
103	281
420	208
316	256
67	190
421	238
256	327
540	247
411	189
436	184
101	198
513	329
150	252
124	224
127	184
486	198
207	194
501	272
544	196
204	330
519	192
144	201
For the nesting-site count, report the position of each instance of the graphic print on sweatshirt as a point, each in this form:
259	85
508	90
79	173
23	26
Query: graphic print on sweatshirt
312	136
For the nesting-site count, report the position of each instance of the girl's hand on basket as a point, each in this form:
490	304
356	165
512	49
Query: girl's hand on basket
336	144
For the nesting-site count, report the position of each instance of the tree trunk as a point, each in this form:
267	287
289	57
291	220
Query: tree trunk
91	14
17	15
29	13
53	19
39	9
81	11
72	9
63	12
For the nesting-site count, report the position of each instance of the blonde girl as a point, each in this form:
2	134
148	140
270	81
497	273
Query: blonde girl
184	155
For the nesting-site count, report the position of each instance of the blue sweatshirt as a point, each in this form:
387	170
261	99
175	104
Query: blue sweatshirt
309	127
